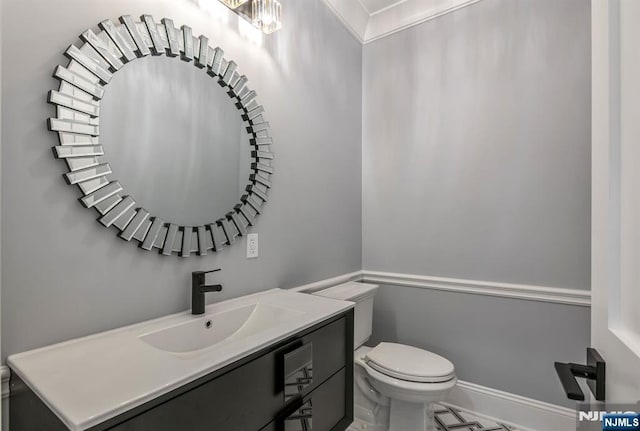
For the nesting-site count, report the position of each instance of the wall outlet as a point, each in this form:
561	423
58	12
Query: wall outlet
252	245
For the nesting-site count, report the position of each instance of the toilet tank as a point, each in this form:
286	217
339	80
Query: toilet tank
362	294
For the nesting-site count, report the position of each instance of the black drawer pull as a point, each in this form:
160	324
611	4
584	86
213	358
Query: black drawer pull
302	380
298	371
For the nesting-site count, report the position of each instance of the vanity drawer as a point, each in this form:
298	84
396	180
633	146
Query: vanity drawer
325	409
249	395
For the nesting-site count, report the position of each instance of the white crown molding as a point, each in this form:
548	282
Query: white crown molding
526	414
489	288
409	13
367	27
352	14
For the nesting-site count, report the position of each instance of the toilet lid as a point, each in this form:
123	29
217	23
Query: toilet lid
409	363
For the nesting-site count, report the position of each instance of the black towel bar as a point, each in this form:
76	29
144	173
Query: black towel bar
594	372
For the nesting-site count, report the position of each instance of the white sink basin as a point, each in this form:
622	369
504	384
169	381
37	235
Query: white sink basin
211	329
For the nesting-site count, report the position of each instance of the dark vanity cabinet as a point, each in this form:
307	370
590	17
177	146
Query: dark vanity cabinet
303	383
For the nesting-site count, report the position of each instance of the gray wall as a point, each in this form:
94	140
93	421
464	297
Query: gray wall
476	154
66	276
476	164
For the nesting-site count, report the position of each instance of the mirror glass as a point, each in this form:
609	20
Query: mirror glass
175	140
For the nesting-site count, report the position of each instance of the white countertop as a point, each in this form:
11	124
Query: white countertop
89	380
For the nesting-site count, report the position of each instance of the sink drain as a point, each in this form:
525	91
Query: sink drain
208	324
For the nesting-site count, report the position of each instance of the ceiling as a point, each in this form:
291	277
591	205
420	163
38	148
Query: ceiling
370	20
374	6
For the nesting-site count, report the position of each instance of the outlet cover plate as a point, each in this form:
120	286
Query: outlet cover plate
252	245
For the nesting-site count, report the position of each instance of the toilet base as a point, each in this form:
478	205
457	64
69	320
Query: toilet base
398	416
404	416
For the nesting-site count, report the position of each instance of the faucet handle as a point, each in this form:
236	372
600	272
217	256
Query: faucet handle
206	272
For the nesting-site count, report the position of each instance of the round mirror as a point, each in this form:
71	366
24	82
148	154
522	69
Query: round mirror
188	145
186	142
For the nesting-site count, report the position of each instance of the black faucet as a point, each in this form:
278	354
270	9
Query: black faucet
199	288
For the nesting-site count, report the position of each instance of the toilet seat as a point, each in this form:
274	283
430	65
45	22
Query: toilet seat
413	388
409	364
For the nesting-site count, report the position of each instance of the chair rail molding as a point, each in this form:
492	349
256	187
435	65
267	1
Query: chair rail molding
329	282
526	292
369	25
488	288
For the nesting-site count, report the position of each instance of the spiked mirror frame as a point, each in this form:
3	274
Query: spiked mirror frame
77	100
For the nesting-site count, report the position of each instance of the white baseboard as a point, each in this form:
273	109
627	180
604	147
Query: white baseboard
5	373
4	404
525	413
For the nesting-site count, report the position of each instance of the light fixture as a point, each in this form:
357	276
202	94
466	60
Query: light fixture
233	4
266	15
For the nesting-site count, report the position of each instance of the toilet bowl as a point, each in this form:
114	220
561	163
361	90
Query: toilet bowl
399	399
395	385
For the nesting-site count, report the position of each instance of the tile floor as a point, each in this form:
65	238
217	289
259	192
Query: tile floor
451	419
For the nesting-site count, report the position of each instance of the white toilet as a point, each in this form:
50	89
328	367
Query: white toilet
395	385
